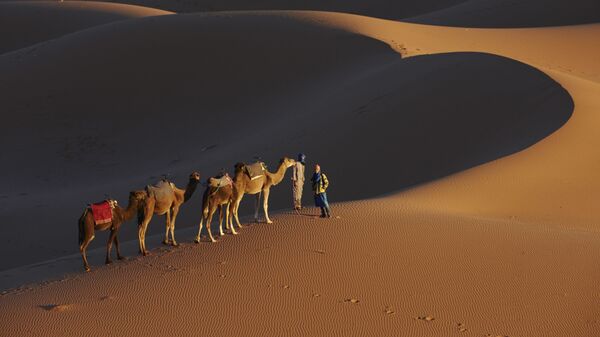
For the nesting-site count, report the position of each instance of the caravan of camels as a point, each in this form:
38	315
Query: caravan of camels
164	198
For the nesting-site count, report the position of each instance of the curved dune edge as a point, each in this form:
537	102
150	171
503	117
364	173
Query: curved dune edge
513	14
552	182
25	23
387	264
345	83
389	9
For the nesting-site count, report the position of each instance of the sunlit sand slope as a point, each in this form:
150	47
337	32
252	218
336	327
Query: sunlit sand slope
389	9
104	120
509	13
24	23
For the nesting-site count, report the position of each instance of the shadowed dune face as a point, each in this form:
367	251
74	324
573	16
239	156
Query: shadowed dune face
513	14
388	9
430	116
210	91
24	23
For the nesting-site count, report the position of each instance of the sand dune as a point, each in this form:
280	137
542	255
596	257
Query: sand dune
24	23
509	13
566	160
350	85
474	277
480	144
377	8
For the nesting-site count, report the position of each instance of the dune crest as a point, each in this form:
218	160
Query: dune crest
349	85
24	23
513	14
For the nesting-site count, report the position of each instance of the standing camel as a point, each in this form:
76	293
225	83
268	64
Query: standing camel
164	198
87	225
218	193
244	184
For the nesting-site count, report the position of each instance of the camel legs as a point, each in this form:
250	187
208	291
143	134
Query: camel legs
111	238
89	236
208	223
141	237
208	219
172	225
228	221
119	256
167	227
197	240
266	205
235	205
143	226
221	220
256	206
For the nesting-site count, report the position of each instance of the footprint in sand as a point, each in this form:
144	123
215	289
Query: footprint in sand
56	307
389	311
461	327
425	318
351	300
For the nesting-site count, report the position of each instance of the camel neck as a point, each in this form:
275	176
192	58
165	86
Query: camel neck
189	190
131	210
277	177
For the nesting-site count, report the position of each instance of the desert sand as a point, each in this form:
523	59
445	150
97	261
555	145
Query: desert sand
462	160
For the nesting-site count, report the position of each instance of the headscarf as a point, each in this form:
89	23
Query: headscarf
302	158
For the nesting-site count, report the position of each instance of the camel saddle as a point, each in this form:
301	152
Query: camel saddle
256	170
220	181
102	211
161	190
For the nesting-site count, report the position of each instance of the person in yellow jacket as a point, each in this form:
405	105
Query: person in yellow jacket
320	184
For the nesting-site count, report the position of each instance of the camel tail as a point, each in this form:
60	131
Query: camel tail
82	227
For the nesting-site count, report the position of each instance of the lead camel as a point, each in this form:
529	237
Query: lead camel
243	184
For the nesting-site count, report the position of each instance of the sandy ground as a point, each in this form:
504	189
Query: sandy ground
477	144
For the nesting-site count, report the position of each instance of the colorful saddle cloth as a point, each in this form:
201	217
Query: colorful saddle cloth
220	181
256	170
102	211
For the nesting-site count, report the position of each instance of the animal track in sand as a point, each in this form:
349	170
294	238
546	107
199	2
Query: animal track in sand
389	311
56	307
425	318
461	327
352	300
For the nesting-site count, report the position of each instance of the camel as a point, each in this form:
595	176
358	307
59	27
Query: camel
243	184
87	226
218	193
164	198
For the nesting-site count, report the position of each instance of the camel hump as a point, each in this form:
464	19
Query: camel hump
256	169
218	182
161	190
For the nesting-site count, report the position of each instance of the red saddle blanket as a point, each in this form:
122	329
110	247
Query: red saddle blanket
102	212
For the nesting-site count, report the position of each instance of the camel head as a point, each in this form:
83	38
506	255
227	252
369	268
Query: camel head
238	167
191	186
137	195
288	162
195	176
